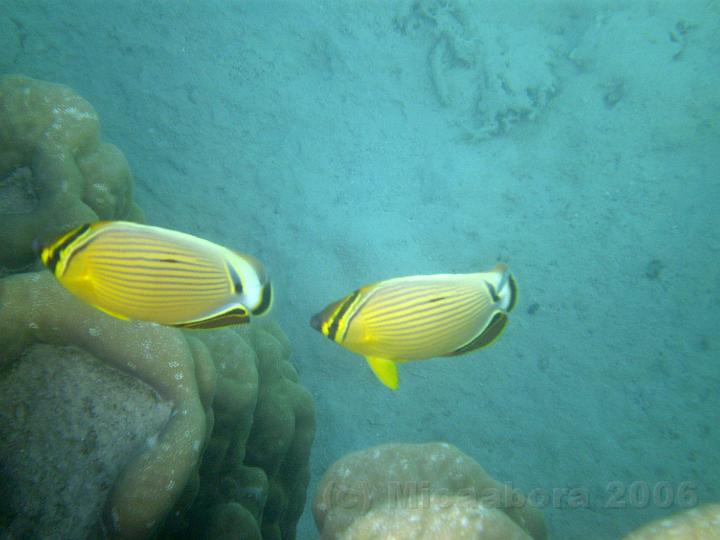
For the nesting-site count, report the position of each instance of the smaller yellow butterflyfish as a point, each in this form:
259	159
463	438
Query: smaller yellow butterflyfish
139	272
419	317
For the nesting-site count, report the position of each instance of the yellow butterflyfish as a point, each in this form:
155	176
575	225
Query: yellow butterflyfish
134	271
419	317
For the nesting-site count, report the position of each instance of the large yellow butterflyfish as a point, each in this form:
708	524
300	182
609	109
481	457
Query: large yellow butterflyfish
134	271
418	317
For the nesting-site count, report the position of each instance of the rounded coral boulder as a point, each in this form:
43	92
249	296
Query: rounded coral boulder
377	483
55	173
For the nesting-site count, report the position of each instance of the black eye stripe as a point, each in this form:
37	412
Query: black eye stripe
492	291
236	281
332	331
57	252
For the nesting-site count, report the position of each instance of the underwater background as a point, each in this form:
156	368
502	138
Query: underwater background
346	142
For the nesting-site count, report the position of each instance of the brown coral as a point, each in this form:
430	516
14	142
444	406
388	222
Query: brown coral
36	309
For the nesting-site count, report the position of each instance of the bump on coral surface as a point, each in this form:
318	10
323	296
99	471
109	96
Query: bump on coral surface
406	475
232	520
55	173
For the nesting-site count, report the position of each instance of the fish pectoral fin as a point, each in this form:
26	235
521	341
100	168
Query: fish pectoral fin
385	370
226	316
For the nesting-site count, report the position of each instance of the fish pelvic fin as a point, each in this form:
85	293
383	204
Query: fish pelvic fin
233	314
385	370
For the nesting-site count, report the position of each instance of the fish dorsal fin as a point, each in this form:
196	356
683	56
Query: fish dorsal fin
385	370
491	332
228	315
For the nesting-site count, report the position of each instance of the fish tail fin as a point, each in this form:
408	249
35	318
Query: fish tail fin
385	370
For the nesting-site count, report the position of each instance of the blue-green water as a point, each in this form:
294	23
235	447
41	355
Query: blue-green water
347	142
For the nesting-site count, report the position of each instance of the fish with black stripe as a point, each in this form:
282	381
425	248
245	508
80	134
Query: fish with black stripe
133	271
419	317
